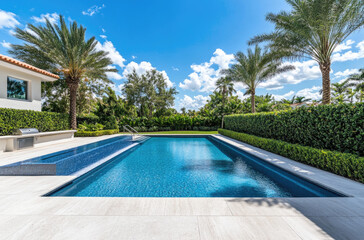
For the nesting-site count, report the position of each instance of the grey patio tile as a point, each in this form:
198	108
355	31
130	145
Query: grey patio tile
307	229
232	228
196	206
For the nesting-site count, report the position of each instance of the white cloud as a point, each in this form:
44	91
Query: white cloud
142	68
52	17
241	95
133	57
350	55
93	10
103	30
7	20
113	75
313	93
12	32
193	103
30	31
284	96
5	44
344	46
114	55
346	73
103	36
175	68
204	75
306	70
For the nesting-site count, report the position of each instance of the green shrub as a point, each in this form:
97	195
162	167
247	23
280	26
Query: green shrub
96	133
344	164
333	127
89	119
11	119
90	127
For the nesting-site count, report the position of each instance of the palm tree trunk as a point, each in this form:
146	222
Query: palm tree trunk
326	84
73	104
252	98
223	110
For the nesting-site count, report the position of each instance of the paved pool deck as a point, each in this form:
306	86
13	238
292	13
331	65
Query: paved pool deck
25	214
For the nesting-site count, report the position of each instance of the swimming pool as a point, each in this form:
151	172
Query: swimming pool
188	166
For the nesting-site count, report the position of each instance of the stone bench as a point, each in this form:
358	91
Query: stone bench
8	143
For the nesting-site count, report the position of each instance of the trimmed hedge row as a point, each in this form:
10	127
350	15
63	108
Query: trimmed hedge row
173	122
344	164
163	123
333	127
96	133
11	119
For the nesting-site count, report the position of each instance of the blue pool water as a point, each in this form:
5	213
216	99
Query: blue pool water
189	167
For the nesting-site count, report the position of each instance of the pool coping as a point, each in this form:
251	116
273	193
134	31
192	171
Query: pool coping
317	176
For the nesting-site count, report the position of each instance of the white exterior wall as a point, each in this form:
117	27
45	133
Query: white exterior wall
34	88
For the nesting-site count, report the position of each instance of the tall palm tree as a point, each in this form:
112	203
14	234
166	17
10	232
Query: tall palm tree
64	50
314	28
254	68
225	87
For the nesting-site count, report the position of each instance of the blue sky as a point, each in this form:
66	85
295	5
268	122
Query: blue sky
189	41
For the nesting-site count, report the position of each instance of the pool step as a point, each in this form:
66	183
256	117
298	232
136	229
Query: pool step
140	138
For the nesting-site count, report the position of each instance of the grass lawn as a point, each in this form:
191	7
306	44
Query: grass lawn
181	132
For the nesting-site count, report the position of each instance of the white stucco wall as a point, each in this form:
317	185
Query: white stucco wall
34	88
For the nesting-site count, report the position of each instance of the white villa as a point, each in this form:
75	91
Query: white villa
20	84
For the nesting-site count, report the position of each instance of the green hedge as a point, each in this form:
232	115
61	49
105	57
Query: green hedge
96	133
11	119
344	164
333	127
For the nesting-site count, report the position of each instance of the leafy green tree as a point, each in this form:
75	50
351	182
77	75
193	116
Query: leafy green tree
225	87
149	93
314	28
63	49
254	68
56	96
111	108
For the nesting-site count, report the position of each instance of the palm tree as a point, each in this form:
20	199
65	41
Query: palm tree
314	28
225	87
254	68
357	80
65	51
301	99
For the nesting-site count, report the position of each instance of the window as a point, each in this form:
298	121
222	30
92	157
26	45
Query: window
17	89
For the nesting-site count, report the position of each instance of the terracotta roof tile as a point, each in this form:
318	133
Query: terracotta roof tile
27	66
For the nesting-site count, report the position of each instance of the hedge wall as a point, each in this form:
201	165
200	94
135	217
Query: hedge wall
11	119
173	122
333	127
344	164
